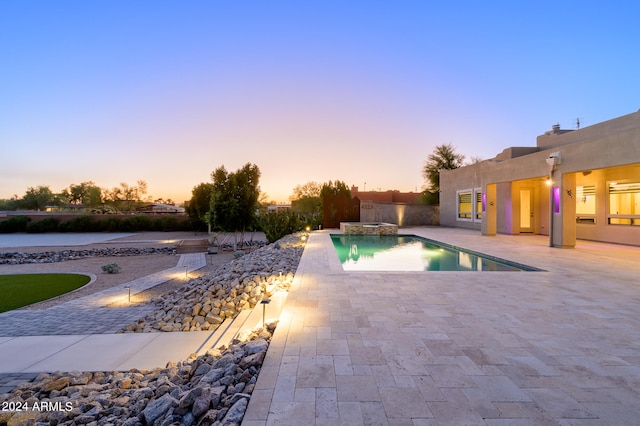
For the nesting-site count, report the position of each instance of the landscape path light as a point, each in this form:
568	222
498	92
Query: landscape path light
129	288
264	302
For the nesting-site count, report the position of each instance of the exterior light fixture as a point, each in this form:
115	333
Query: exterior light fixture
264	303
129	288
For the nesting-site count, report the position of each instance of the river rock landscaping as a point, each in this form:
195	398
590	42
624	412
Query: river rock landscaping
212	389
18	258
204	303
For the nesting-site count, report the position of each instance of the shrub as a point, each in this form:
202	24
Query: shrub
14	224
136	223
167	224
276	225
48	224
83	223
110	224
312	220
111	268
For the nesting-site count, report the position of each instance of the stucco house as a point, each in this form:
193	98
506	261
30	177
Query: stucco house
574	184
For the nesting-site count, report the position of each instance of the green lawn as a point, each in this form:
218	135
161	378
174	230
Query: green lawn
20	290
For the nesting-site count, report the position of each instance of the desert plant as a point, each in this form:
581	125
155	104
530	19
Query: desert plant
136	223
110	224
84	223
48	224
276	225
111	268
14	224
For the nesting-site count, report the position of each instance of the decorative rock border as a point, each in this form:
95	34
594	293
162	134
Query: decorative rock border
204	303
18	258
212	389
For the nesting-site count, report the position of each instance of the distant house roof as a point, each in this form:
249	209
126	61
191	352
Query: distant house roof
160	208
278	207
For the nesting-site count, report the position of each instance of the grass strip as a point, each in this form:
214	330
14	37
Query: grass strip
18	290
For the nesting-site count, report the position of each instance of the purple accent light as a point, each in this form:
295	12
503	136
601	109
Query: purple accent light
484	202
556	200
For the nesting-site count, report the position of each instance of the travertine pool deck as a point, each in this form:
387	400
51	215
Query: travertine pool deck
452	348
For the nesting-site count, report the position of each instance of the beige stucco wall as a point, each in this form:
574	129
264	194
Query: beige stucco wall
612	146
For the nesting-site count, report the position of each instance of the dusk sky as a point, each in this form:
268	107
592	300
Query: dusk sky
359	91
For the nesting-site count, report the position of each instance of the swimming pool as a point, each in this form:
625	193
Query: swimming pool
413	253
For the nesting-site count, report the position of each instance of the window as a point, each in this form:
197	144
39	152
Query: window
470	205
586	204
465	207
479	207
623	203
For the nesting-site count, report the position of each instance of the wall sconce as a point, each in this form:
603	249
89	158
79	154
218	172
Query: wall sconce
553	160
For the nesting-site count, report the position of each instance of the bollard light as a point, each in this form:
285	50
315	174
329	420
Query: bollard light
264	302
129	288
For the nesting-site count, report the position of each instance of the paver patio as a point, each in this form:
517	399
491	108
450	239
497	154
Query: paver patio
451	348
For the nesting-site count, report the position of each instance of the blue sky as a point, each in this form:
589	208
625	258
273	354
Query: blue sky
167	91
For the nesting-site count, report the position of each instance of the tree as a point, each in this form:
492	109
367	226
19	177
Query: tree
307	204
10	204
308	190
125	197
235	199
86	193
335	188
198	207
39	198
336	203
443	157
168	201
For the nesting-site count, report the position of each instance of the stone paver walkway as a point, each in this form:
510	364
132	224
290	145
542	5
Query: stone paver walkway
89	314
560	347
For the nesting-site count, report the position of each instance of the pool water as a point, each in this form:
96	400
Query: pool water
412	253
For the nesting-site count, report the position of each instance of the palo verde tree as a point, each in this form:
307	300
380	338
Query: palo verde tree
234	200
443	157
